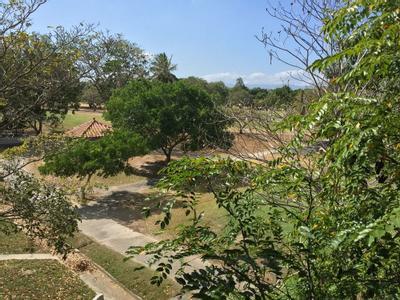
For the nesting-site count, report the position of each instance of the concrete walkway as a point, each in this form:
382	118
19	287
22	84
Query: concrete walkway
119	238
28	256
100	283
102	228
114	235
95	279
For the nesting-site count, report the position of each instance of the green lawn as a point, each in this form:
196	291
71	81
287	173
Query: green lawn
17	243
213	216
79	117
132	275
40	279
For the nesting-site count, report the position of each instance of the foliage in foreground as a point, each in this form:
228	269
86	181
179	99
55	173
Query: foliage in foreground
84	158
42	211
309	225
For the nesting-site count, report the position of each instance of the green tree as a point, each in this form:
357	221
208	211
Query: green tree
50	89
91	96
217	90
40	210
240	95
309	224
168	115
162	68
280	97
240	84
38	74
108	61
105	157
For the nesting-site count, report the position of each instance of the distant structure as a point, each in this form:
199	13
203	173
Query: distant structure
91	130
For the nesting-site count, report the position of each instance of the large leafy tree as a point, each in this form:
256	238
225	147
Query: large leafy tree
84	158
162	68
217	90
40	210
310	224
240	94
50	88
38	72
280	97
109	61
91	96
168	115
31	70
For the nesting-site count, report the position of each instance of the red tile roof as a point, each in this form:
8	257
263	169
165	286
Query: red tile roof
90	129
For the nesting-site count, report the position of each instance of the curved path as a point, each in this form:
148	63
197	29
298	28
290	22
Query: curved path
102	228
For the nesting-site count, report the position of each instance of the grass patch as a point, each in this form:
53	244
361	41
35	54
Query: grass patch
119	179
40	279
213	216
78	117
75	182
17	243
132	275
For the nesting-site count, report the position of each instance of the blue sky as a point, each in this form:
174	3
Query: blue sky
212	39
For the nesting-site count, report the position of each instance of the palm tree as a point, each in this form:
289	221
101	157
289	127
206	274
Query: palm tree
162	68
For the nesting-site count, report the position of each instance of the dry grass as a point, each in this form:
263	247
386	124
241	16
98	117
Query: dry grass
17	243
72	184
132	275
214	217
40	279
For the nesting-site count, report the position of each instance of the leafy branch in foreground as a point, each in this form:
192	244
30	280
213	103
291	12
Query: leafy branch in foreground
311	224
42	211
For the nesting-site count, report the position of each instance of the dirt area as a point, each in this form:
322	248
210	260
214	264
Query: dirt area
246	143
250	142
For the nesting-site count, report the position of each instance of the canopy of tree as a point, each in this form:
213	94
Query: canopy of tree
108	62
84	158
168	115
217	90
39	78
162	68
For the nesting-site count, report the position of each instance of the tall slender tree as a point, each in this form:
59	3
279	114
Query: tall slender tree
162	68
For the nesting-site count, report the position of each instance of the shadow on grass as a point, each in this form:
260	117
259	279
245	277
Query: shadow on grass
124	206
149	169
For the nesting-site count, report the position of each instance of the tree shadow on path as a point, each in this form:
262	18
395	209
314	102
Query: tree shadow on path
124	207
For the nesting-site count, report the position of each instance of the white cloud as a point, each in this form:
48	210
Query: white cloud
259	78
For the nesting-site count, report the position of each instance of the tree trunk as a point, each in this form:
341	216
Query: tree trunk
84	187
40	127
168	153
168	156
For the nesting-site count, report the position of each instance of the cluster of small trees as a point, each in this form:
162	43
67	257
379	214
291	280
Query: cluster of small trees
45	75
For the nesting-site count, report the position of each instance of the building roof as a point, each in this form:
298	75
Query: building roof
90	129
